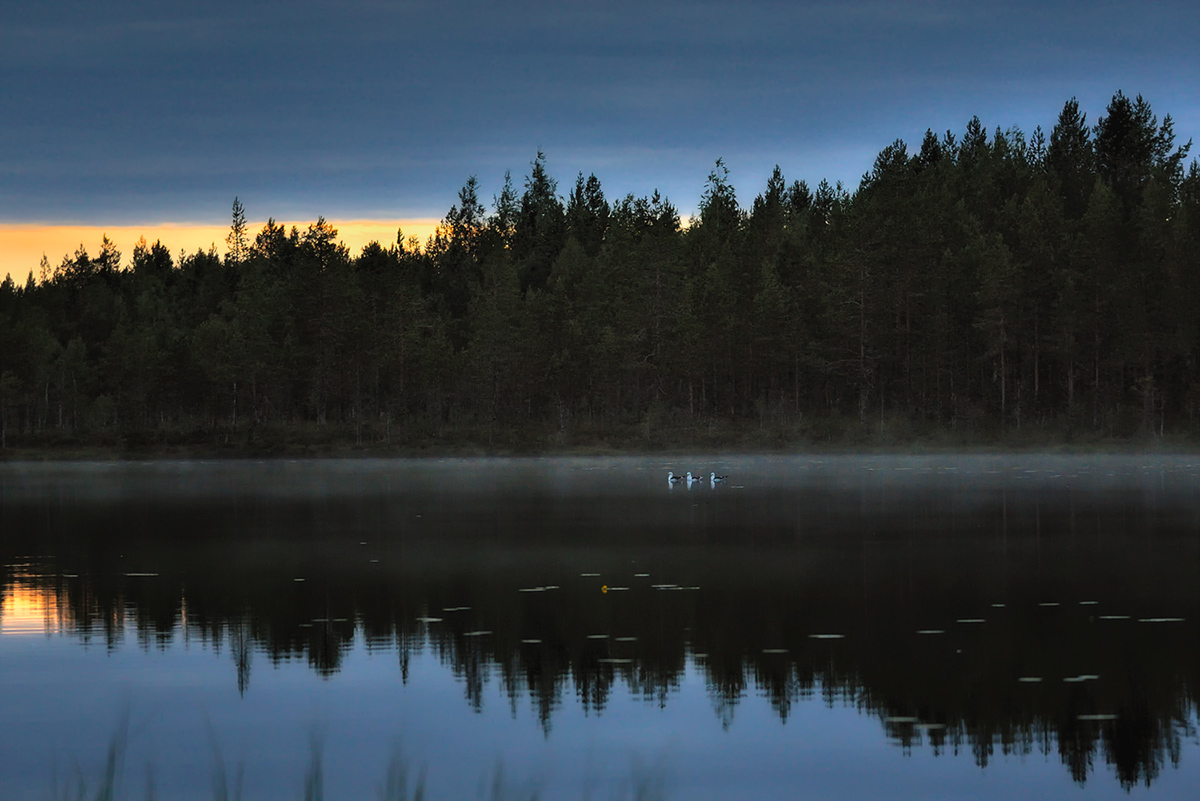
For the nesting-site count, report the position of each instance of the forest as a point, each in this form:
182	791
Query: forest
984	288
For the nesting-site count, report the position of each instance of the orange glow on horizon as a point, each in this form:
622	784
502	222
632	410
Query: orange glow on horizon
22	246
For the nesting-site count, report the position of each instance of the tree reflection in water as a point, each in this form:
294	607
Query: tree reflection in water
1062	580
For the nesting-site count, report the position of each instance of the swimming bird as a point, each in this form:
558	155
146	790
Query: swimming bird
691	479
672	478
715	479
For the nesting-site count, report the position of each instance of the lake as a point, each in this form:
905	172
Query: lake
831	627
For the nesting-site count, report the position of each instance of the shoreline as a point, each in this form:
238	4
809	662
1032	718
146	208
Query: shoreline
334	448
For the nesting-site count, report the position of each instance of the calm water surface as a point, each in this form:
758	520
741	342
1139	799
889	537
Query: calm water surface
580	628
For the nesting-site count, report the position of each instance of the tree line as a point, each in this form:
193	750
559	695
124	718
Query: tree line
985	283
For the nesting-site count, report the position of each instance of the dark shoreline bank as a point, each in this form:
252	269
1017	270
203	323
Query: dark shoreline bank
335	443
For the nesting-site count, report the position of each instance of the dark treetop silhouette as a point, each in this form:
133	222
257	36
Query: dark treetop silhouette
985	283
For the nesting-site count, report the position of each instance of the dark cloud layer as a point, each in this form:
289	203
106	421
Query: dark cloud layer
165	110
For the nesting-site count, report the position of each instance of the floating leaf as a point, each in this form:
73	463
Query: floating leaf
1114	617
970	620
589	575
827	636
531	641
597	636
475	633
1030	679
931	631
1050	603
1160	620
626	639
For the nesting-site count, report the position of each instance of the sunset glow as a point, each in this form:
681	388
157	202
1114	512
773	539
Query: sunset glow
27	609
22	246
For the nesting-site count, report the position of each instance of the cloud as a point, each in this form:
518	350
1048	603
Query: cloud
376	108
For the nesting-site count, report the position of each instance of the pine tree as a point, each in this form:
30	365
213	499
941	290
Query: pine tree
237	243
540	229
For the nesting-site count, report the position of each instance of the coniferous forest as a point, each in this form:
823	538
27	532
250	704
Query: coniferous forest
984	288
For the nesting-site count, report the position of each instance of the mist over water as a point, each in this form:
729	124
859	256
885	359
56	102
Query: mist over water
852	626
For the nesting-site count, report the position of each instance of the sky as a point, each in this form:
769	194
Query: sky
155	114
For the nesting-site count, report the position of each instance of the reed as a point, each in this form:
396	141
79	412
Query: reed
646	782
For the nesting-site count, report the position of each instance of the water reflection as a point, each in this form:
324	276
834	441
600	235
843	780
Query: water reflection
972	608
29	606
